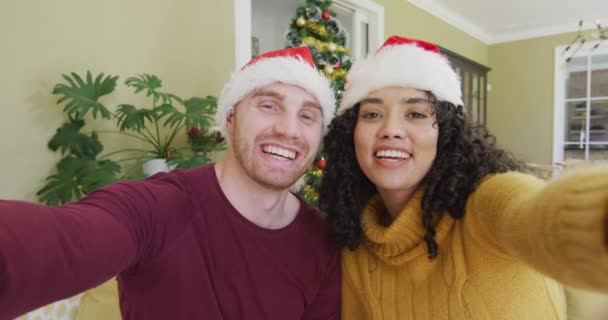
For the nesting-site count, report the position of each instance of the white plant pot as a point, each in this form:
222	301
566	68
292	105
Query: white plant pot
154	166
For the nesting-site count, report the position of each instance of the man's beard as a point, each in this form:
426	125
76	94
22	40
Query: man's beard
250	163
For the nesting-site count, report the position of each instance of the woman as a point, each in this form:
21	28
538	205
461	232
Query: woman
436	222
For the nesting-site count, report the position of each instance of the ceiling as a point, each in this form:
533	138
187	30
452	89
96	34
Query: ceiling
494	21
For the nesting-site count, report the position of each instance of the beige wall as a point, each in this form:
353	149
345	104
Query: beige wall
189	44
405	19
520	104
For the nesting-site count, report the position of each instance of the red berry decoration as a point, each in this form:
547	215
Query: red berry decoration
321	164
193	132
325	15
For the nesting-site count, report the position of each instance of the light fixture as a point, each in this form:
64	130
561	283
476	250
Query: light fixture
598	34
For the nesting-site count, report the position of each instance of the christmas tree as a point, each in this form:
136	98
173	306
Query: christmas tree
317	27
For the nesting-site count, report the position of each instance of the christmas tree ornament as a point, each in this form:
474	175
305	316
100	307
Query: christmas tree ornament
322	163
332	47
334	59
334	26
313	14
326	15
328	69
336	65
300	22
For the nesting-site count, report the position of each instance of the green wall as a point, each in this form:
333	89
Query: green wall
520	104
189	44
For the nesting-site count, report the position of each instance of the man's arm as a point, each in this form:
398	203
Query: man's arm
327	303
50	253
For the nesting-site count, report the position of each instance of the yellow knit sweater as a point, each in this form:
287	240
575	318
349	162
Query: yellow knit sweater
490	262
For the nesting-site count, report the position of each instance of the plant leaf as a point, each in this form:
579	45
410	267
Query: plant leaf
96	174
68	138
184	162
174	116
82	96
148	83
75	177
62	187
132	118
200	111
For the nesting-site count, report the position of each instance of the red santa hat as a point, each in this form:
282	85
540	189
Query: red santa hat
402	62
290	66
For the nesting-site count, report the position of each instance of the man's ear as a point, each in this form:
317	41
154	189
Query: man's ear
230	122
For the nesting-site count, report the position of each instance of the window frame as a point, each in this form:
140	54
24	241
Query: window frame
561	73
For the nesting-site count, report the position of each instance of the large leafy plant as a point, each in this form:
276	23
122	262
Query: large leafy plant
84	168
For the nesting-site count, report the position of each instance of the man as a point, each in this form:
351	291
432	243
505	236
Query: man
225	241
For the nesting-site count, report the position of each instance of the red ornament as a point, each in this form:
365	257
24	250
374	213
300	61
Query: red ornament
325	15
321	164
337	65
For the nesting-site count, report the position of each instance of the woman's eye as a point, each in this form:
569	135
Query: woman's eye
371	115
418	115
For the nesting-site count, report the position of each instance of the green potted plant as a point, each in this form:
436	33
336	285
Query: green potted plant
84	167
203	142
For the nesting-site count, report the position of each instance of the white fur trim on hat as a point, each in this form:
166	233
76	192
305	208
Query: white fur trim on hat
288	70
403	66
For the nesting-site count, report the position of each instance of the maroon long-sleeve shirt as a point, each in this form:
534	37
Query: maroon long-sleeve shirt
179	248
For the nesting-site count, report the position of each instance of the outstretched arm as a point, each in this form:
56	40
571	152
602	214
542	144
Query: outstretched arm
50	253
558	228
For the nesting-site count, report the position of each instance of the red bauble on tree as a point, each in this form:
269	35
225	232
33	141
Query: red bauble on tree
321	164
325	15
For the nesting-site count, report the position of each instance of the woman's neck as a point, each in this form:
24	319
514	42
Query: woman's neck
395	200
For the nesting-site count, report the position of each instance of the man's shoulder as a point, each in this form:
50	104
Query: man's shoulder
193	177
311	214
313	222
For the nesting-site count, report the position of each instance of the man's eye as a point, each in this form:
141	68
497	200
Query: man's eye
309	116
267	106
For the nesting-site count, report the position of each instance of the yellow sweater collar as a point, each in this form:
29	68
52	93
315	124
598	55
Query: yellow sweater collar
403	239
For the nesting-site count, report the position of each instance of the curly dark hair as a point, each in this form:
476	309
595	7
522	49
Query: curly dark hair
465	154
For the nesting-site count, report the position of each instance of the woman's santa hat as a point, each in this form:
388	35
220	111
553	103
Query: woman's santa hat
403	62
290	66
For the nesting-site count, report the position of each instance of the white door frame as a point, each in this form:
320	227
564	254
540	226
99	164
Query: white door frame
242	26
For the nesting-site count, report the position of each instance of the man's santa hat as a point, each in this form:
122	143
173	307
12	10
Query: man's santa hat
289	66
403	62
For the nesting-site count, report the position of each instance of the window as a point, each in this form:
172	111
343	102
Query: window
474	84
581	105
